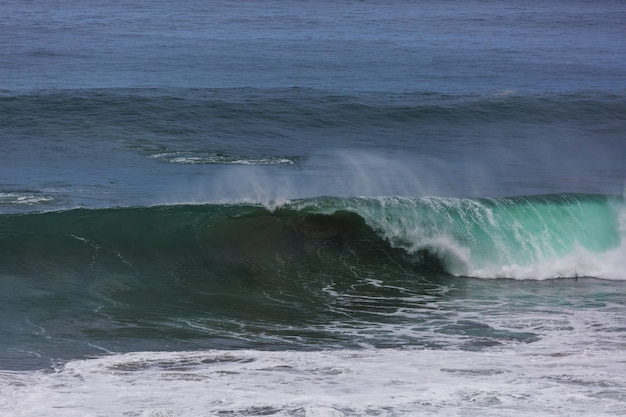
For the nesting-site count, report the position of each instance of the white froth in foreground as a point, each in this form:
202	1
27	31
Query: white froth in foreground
529	380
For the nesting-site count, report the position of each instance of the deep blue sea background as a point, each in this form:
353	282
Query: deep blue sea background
454	98
300	208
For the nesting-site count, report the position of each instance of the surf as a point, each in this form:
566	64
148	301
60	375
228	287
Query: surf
526	237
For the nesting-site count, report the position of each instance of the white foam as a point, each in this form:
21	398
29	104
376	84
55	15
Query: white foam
197	157
582	263
560	375
24	198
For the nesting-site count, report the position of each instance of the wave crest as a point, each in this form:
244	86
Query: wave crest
538	237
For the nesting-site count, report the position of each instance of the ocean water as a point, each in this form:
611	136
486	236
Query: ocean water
312	208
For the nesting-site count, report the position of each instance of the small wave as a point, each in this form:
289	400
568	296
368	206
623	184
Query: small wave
201	158
27	199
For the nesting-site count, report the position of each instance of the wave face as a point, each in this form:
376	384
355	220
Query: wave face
512	237
314	273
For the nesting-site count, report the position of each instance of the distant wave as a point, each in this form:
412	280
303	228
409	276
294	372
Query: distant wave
202	157
24	198
256	110
281	126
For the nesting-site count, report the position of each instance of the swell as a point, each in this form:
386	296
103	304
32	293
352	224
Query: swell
205	122
301	107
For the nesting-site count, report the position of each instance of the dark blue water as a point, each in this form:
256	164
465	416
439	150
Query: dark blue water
287	181
340	46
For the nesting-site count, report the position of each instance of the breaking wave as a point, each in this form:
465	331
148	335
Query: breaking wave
536	237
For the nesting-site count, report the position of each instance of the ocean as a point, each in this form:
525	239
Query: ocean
312	208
